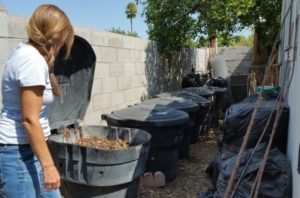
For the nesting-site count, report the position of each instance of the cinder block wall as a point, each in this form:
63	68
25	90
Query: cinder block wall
128	69
239	61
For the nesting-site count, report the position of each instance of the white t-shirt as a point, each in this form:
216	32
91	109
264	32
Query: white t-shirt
25	67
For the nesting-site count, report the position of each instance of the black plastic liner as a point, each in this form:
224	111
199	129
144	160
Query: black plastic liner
238	117
276	181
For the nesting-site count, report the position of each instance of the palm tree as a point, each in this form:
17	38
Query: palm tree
131	11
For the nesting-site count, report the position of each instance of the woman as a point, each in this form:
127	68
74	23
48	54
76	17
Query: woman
26	166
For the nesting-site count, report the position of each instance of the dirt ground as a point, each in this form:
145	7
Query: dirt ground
191	177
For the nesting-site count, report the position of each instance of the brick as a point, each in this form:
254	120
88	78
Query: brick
17	26
116	69
129	69
124	83
124	55
97	86
101	70
117	98
101	101
3	24
84	33
108	54
99	38
109	84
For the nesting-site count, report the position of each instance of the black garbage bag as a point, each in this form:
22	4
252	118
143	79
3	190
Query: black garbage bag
277	177
237	120
193	80
217	82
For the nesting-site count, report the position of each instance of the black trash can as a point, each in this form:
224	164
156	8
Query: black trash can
203	103
166	128
184	105
211	96
218	104
90	172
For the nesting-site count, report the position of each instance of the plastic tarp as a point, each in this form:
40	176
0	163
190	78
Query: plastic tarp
276	181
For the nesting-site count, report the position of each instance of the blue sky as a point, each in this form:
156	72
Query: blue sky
99	14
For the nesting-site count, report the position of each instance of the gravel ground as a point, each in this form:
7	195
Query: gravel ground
191	177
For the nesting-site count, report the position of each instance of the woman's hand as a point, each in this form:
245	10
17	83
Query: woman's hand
51	177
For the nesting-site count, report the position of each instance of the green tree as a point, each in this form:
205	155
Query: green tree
131	10
174	23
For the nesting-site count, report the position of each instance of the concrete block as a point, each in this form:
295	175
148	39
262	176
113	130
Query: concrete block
137	81
90	107
123	55
135	55
123	106
108	54
3	24
144	56
130	95
140	68
101	70
129	42
115	40
124	83
4	49
116	69
129	69
97	86
84	33
97	51
110	109
92	118
117	98
109	84
143	44
101	101
99	38
17	26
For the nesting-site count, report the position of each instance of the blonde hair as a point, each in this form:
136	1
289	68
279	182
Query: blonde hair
48	29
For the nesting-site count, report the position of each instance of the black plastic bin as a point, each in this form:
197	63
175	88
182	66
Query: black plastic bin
218	104
211	96
166	128
184	105
203	103
89	172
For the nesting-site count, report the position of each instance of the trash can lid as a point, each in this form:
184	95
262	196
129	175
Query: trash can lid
175	103
75	77
149	115
217	89
201	91
201	101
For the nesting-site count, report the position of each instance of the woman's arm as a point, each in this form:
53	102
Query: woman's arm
31	103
